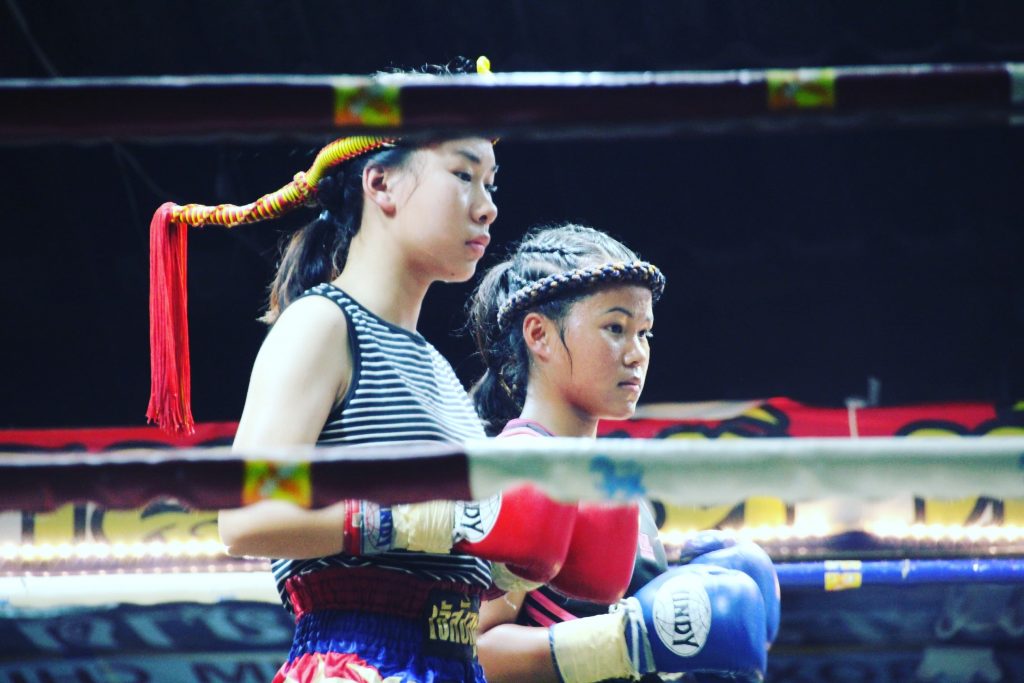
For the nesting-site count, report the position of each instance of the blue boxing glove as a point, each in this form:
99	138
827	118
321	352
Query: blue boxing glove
753	561
704	542
699	618
696	618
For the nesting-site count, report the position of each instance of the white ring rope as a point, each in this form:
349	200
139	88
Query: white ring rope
679	471
706	472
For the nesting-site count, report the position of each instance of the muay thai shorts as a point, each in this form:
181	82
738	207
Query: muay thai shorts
379	626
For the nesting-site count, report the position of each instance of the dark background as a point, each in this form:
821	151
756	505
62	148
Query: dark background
800	263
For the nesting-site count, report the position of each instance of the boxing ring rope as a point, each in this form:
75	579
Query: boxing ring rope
206	583
540	104
699	472
849	574
683	472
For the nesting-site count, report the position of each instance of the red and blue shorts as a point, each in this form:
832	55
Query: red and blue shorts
377	626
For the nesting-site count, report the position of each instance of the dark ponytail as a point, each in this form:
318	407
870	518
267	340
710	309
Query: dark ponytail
500	393
317	252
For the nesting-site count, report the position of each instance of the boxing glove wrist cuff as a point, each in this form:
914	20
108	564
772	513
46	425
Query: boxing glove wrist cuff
424	527
591	649
352	528
368	528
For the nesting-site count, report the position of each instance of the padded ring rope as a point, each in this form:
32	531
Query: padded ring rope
564	105
675	471
834	575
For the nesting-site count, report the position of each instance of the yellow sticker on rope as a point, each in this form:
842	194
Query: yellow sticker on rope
361	105
801	88
264	480
841	575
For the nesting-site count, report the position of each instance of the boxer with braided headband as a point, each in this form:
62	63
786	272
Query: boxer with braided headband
551	270
563	326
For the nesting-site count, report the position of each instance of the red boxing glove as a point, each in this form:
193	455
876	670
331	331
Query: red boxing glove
521	527
602	553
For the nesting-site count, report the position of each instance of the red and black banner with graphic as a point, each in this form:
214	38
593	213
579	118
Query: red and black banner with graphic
774	417
782	417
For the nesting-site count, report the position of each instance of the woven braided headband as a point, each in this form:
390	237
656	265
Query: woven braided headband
560	284
301	191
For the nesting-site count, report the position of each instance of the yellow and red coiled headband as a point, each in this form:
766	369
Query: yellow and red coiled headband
170	399
170	371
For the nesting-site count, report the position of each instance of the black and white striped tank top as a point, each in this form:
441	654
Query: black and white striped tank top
401	389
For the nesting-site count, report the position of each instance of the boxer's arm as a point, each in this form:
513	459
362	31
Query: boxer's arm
274	528
503	609
510	652
296	379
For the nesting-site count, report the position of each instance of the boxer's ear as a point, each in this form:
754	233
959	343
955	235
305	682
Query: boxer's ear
538	333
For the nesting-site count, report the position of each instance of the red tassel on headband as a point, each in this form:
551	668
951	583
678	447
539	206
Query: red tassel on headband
170	398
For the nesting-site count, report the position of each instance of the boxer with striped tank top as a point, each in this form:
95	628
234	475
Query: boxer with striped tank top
343	364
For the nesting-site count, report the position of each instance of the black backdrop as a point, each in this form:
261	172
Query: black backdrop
799	263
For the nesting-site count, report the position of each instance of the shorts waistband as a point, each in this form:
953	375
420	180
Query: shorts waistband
369	589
